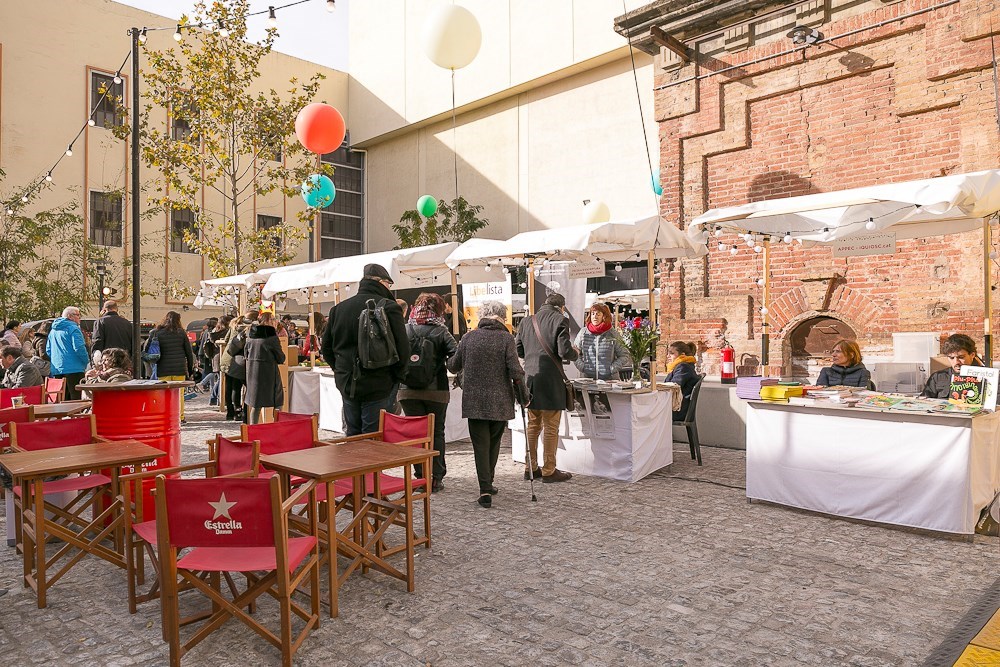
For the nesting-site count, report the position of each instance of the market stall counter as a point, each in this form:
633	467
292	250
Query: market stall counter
935	471
623	435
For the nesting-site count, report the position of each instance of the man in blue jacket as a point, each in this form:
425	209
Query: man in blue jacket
68	351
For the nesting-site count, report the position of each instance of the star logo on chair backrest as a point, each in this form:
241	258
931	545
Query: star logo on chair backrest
222	507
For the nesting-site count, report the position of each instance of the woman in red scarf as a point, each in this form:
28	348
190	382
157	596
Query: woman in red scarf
602	354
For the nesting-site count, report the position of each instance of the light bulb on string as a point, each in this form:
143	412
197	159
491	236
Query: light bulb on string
758	248
330	5
763	310
488	267
870	225
142	36
177	33
523	285
827	234
618	267
272	19
10	211
787	238
760	282
91	122
118	78
722	246
718	232
24	199
733	250
69	151
48	177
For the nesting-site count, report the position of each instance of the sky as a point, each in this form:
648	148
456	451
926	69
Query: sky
306	31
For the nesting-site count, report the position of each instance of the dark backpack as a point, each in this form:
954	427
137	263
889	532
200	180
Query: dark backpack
423	366
376	346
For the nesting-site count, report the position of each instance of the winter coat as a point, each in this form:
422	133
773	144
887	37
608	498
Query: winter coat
545	379
487	358
226	358
340	345
112	330
35	346
444	348
176	355
22	373
601	355
263	353
66	349
851	376
9	338
939	383
687	377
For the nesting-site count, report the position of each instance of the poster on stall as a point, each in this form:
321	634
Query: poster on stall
474	294
555	277
992	378
578	417
602	421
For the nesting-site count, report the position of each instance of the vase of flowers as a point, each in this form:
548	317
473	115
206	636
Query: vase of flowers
638	335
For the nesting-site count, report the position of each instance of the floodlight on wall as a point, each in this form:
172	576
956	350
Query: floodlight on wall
801	34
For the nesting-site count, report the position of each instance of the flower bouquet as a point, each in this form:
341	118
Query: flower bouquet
638	335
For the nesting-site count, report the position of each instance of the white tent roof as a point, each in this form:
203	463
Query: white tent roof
630	297
912	209
619	240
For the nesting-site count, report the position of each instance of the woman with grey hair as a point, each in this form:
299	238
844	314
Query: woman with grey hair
487	358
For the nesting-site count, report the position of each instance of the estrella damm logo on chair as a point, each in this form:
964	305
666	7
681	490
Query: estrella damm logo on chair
222	507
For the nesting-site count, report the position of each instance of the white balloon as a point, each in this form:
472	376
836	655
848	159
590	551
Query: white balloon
595	211
452	37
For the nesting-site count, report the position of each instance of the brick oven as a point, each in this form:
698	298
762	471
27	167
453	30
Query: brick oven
896	90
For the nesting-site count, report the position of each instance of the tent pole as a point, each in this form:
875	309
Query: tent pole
765	336
651	278
530	275
312	330
454	303
336	293
987	295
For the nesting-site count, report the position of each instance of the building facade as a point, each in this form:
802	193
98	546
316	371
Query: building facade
894	90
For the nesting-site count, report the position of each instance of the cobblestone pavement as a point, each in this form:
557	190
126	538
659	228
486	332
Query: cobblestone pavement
674	570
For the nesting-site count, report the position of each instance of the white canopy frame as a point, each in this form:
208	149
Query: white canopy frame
911	209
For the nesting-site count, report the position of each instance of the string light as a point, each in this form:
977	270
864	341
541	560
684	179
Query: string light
733	250
488	268
722	246
870	225
718	232
48	177
787	238
223	30
91	122
69	151
758	248
117	78
142	36
760	281
618	267
177	33
272	20
330	5
24	199
763	310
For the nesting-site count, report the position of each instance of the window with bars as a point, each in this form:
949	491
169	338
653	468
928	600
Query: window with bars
268	221
181	220
105	106
106	219
180	123
342	222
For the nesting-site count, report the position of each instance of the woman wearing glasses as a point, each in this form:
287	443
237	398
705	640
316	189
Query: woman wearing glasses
847	369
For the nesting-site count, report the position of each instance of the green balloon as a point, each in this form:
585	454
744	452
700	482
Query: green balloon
427	206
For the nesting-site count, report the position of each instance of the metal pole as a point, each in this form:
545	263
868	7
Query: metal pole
312	330
454	301
987	295
134	194
530	271
765	336
651	278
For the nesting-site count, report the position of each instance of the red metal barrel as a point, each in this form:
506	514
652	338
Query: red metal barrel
150	414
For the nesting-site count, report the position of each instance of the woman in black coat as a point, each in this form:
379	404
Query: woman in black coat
847	369
487	359
427	323
263	353
681	371
176	356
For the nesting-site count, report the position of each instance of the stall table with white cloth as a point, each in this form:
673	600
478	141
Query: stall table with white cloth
922	470
639	443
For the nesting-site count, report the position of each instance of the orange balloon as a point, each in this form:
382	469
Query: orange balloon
320	128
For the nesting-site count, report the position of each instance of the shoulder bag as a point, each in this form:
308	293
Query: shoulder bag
570	391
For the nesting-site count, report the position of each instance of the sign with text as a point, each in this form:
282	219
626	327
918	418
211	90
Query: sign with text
474	294
883	243
586	269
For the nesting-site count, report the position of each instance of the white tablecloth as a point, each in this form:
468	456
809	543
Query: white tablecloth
641	443
304	383
919	470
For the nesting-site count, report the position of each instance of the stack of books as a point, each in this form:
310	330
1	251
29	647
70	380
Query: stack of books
780	392
748	386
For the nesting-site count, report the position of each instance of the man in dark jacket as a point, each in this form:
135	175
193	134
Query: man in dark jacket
112	330
365	391
545	381
20	371
961	351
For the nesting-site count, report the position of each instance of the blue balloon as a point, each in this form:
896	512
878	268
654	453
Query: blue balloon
655	182
318	191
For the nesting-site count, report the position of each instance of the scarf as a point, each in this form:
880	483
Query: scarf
683	359
597	330
425	315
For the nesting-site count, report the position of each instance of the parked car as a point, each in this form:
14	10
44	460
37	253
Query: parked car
87	325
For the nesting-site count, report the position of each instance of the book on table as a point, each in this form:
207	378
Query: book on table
967	390
992	379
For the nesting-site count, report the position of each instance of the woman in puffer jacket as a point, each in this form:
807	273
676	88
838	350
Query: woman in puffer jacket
602	354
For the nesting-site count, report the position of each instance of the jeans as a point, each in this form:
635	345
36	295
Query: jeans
211	382
485	435
414	407
363	417
234	396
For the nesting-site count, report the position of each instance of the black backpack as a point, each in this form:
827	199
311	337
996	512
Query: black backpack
376	346
422	368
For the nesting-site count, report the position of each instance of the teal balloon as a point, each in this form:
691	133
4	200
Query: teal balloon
655	182
318	191
427	206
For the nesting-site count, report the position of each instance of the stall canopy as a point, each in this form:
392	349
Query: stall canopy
912	209
635	298
225	291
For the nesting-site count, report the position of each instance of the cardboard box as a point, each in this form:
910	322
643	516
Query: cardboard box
939	363
292	355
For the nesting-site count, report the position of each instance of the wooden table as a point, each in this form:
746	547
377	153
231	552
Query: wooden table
30	469
60	410
359	541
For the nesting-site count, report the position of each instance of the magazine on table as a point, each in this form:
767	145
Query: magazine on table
880	401
602	421
992	378
967	390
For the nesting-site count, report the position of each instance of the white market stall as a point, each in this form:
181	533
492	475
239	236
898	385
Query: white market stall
641	440
912	469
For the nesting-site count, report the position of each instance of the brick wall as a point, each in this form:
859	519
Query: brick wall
911	99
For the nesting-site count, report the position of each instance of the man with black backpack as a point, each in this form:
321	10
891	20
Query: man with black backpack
366	346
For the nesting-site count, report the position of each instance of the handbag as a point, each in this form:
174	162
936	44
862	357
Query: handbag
152	351
570	390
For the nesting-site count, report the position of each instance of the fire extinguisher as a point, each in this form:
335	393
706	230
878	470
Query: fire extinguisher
728	363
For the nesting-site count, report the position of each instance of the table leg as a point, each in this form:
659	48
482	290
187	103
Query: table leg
39	508
408	505
331	549
27	541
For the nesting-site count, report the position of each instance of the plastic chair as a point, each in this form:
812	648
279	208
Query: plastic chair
234	525
689	423
55	390
32	396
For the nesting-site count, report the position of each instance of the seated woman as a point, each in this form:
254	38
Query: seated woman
847	369
681	370
115	366
961	351
602	354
